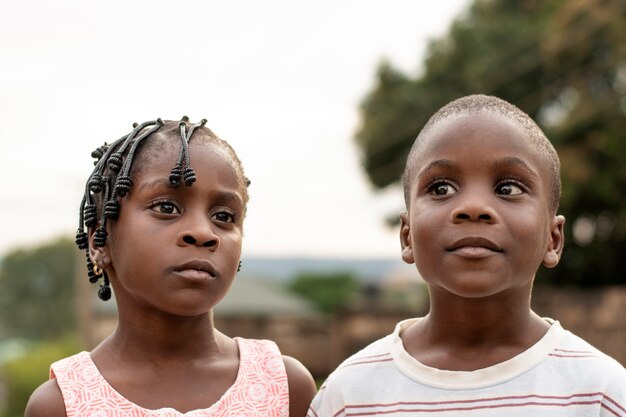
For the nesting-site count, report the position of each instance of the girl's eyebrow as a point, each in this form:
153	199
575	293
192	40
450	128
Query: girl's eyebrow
158	183
229	195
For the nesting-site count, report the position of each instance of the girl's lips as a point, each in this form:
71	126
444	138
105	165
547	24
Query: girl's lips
194	275
196	269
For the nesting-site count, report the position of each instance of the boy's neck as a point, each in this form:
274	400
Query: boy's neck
469	334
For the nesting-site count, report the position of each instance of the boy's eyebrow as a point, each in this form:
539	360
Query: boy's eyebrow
511	161
440	163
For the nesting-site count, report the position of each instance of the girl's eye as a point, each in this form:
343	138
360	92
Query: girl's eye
224	217
509	188
441	188
165	207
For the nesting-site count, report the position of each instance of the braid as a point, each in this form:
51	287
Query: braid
111	180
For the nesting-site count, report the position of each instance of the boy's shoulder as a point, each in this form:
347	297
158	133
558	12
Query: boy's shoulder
371	362
575	353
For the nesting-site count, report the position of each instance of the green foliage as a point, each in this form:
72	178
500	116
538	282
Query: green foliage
23	375
562	62
330	292
37	297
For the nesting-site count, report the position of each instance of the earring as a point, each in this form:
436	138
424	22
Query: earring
96	270
239	267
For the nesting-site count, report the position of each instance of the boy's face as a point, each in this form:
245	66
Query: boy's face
479	219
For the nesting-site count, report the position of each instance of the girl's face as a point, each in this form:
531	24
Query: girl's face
177	249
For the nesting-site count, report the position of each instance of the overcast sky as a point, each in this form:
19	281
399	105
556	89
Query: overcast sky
280	80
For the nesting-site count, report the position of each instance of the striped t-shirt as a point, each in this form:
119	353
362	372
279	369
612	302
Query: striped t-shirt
561	375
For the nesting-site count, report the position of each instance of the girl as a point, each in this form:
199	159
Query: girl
167	238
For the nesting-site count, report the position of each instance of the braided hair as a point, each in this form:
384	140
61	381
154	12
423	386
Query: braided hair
111	180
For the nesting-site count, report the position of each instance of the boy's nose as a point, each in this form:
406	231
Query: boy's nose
475	209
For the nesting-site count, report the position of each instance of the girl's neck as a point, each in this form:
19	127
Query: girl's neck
166	336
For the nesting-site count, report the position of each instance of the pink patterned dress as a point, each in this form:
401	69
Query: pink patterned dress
259	390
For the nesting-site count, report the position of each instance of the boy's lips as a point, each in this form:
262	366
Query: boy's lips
196	269
473	244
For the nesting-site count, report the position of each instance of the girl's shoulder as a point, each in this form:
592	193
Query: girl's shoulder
46	400
302	387
265	356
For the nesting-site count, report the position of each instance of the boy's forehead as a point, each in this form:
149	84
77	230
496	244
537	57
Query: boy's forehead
459	133
469	130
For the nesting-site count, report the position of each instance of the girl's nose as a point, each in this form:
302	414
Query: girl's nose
199	231
191	240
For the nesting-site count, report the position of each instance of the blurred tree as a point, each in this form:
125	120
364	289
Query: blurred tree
37	297
330	292
24	374
561	61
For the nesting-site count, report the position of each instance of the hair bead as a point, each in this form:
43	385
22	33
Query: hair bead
115	162
104	292
122	186
176	174
189	176
90	214
100	238
95	183
82	240
112	209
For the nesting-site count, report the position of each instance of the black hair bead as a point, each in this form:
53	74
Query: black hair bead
90	274
115	162
112	209
190	176
95	183
100	238
82	240
90	214
104	293
122	186
184	119
175	175
99	152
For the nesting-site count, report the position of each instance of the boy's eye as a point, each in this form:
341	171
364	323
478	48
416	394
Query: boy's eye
441	188
508	188
224	216
165	207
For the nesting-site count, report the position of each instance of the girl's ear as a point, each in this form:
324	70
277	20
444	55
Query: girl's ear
405	239
555	242
99	255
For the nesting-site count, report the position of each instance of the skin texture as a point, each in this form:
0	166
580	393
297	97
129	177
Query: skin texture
478	227
165	338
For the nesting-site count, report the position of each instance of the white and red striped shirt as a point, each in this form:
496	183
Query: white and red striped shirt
561	375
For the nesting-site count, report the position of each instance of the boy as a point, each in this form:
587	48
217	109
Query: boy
482	187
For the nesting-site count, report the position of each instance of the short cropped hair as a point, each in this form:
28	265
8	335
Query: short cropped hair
490	104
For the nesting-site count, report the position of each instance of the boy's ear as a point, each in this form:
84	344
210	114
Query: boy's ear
99	255
405	239
555	243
